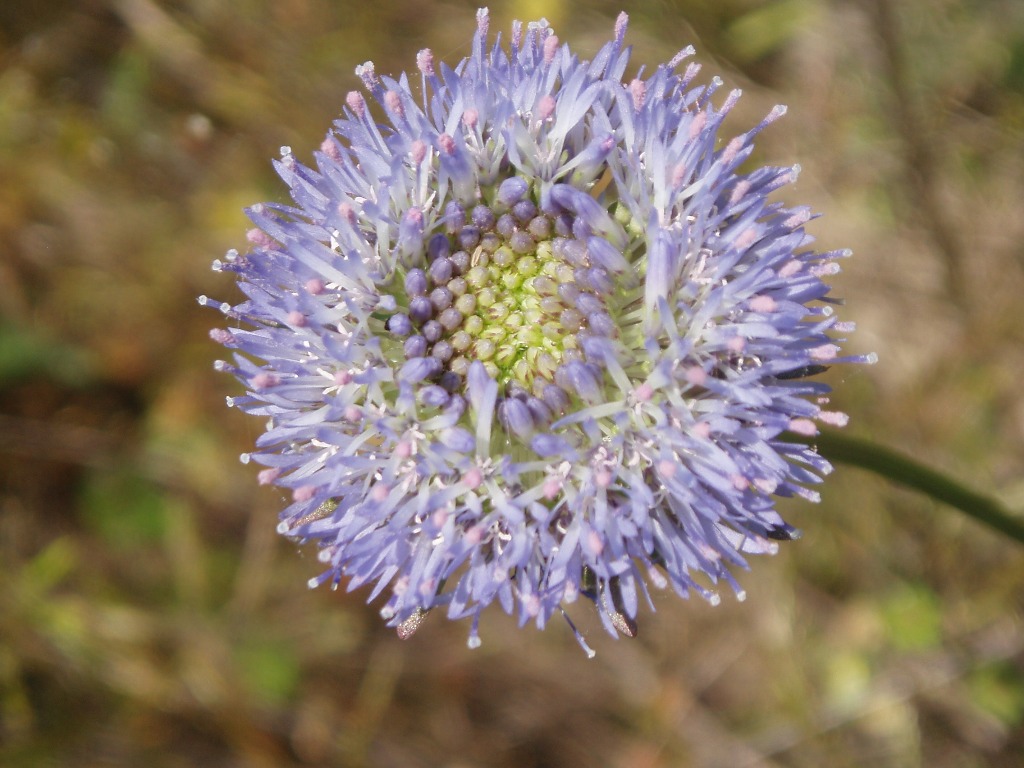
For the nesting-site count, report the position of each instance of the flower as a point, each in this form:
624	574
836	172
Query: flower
533	337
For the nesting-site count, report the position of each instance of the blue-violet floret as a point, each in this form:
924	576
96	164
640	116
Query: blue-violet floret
528	333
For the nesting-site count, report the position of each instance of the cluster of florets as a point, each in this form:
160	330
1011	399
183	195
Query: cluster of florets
534	338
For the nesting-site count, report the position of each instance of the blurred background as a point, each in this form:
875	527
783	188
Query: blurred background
149	615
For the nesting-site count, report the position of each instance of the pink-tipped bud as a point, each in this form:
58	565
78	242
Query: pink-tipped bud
425	62
695	375
418	151
545	107
356	103
330	148
762	304
638	90
620	27
304	493
746	238
643	393
297	319
833	418
791	268
473	479
550	48
394	102
732	149
268	476
804	427
679	174
697	124
264	380
824	352
259	238
347	212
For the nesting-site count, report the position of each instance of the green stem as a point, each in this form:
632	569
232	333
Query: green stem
904	470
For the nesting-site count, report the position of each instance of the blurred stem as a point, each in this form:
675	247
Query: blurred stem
904	470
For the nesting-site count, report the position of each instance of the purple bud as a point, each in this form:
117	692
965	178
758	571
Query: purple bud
521	242
600	280
490	242
434	396
506	226
551	445
540	227
580	378
410	232
598	350
456	406
458	439
399	325
574	252
441	270
450	319
469	236
483	217
571	320
418	369
438	246
415	346
524	210
539	410
516	416
440	299
512	190
588	303
420	309
601	323
460	261
432	330
661	269
606	255
442	351
454	217
569	293
555	398
416	283
451	381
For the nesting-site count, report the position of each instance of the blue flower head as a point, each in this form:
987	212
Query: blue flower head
529	334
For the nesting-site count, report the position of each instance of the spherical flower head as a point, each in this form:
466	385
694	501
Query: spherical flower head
528	333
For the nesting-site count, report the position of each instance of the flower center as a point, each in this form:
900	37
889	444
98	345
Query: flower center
512	287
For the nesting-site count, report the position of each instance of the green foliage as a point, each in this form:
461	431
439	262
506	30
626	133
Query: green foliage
125	509
913	618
